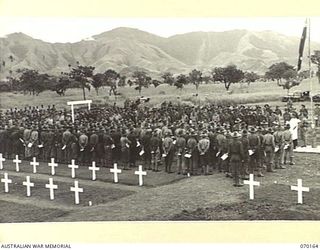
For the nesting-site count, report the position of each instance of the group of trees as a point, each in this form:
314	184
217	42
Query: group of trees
84	77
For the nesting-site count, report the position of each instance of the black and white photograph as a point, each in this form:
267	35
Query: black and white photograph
159	119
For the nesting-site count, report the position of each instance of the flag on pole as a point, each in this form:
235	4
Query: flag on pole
301	46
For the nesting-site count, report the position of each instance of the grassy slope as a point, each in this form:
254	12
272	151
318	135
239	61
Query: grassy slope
259	92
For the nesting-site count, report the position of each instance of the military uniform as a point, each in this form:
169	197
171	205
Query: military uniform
278	140
167	146
269	146
180	151
235	153
288	146
254	145
203	148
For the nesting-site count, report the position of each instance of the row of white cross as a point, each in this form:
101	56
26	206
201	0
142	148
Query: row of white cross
73	168
300	189
51	186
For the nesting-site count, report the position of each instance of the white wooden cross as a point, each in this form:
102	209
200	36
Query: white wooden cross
52	187
52	164
6	182
73	167
300	189
251	184
17	162
1	161
76	191
140	173
72	103
94	169
34	163
29	185
115	172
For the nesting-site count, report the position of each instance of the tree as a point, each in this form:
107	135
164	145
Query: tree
62	85
141	79
181	81
32	81
83	76
111	78
227	75
155	83
122	81
168	78
250	77
276	71
195	76
315	59
97	81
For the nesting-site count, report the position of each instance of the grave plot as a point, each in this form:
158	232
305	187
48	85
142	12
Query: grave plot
91	195
12	212
127	177
271	202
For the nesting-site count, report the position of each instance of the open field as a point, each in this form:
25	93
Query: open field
259	92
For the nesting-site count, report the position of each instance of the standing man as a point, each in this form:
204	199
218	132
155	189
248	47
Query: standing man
167	147
203	147
288	145
235	152
180	150
279	144
254	145
192	162
269	146
155	150
294	126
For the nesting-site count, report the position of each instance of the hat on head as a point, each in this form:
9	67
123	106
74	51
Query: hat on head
252	130
235	135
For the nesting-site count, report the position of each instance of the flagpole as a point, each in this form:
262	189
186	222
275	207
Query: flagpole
309	56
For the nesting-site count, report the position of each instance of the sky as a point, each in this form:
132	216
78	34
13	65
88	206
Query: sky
73	29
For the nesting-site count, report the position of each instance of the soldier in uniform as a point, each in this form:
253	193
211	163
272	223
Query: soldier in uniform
278	140
66	146
303	127
83	146
288	145
317	115
145	141
155	150
203	148
222	148
168	152
245	161
125	145
180	147
93	145
26	138
235	153
269	146
191	149
254	145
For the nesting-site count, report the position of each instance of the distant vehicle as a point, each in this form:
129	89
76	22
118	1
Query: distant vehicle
316	98
297	96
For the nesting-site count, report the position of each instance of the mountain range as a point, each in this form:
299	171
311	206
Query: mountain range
126	50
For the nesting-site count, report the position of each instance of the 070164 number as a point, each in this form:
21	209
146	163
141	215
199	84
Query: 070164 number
309	246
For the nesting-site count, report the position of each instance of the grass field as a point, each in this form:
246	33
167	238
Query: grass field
259	92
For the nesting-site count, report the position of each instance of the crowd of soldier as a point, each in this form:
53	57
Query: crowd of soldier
236	140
